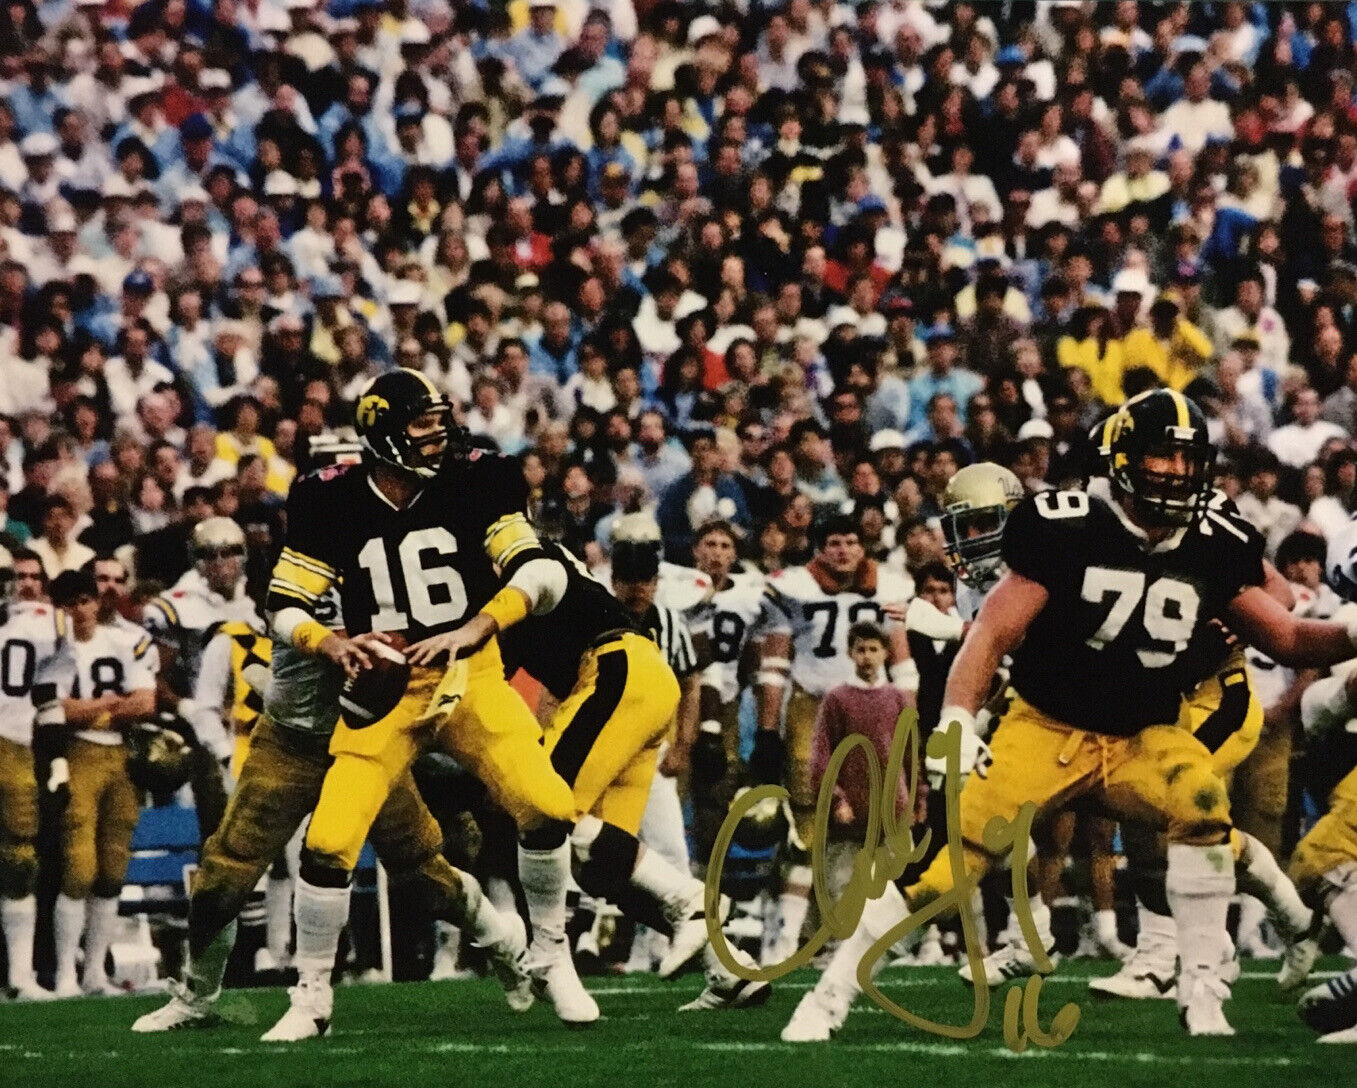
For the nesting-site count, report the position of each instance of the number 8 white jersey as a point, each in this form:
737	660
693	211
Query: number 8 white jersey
818	622
30	636
728	618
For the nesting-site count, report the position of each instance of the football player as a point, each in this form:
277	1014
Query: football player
727	617
402	535
277	788
1103	597
617	697
30	633
1324	864
183	620
107	683
806	616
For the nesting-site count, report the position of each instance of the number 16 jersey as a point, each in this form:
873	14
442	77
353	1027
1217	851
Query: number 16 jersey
1106	652
416	571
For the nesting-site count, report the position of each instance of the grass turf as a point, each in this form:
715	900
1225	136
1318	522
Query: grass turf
460	1033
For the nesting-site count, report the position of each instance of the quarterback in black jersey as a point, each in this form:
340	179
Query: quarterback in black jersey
1100	600
616	698
402	535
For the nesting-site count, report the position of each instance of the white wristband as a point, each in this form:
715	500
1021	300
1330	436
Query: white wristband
711	725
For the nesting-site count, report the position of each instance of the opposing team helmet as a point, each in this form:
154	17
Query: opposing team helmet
383	416
216	538
975	506
1161	423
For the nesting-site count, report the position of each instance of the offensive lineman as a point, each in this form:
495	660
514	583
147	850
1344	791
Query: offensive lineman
1101	597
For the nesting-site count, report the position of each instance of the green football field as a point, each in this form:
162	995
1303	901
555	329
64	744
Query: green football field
459	1033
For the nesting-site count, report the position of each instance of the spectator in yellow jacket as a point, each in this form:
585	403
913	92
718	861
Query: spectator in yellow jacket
1091	346
1174	348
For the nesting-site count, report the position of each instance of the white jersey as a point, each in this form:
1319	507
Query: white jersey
117	660
818	622
728	618
185	617
303	689
31	637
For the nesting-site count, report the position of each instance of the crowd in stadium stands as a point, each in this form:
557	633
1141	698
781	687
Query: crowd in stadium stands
749	260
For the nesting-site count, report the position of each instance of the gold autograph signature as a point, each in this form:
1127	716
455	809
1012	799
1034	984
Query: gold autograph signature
888	848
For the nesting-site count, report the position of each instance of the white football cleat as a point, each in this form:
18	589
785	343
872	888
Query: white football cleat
1347	1035
1008	962
554	977
931	952
818	1017
1149	975
727	990
183	1010
1201	1004
29	990
1297	962
507	957
689	925
100	985
308	1016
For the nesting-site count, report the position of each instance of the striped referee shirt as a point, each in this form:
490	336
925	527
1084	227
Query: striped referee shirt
670	633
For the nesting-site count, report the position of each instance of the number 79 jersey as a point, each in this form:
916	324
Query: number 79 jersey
818	622
1107	651
416	571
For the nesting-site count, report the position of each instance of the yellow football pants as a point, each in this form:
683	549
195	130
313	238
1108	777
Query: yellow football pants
1332	842
99	820
604	738
1225	715
1161	776
469	711
18	820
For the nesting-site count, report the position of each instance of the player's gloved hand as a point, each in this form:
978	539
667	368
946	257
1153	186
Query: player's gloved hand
767	759
709	753
59	777
925	618
975	754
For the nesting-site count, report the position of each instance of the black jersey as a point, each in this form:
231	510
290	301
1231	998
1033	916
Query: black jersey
417	571
1107	653
549	647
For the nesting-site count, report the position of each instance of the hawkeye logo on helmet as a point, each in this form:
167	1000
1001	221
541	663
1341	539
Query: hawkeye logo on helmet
370	407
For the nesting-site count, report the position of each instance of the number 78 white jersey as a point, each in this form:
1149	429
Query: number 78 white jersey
818	622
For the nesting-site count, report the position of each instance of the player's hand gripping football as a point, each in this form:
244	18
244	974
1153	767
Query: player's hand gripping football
470	636
353	655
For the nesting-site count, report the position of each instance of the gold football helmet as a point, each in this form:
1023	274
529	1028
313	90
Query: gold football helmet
975	506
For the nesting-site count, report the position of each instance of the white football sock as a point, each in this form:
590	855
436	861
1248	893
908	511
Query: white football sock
208	967
483	923
1252	914
1105	926
1159	928
1200	885
20	919
68	925
543	874
321	914
501	893
103	923
1342	909
1258	874
879	916
278	917
672	887
794	903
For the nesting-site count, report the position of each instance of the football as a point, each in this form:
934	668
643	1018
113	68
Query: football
373	693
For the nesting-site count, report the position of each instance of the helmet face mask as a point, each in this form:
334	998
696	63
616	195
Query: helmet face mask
405	423
976	504
1161	458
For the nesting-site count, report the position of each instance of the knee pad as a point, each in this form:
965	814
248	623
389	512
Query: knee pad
18	870
1198	804
318	870
547	836
603	856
